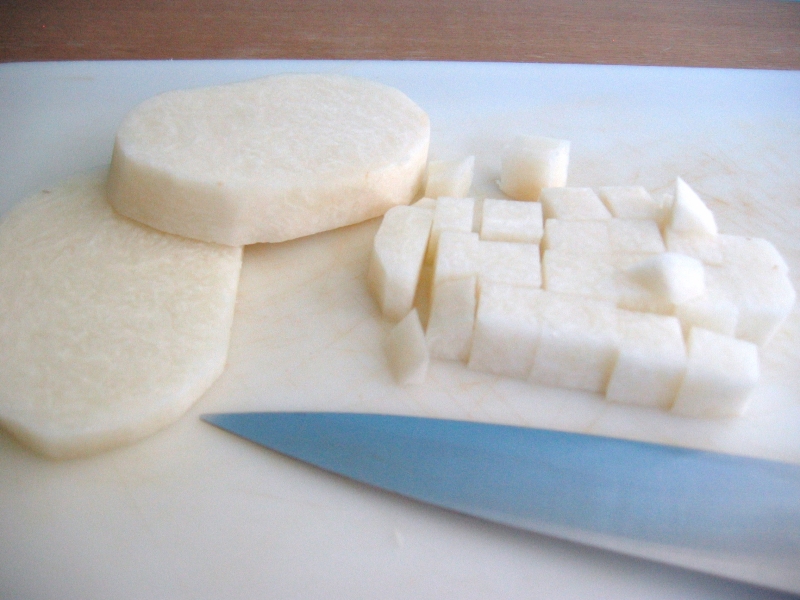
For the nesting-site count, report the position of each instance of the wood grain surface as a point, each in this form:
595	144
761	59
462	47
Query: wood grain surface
720	33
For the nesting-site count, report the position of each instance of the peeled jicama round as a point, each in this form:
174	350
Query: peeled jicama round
109	330
269	160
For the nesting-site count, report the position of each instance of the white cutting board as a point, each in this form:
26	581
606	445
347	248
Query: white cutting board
195	513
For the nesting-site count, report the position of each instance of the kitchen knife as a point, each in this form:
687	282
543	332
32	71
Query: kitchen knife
729	515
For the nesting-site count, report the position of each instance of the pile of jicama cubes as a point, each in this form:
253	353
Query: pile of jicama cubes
607	291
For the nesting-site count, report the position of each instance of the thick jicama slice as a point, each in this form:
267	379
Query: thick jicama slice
651	362
449	178
452	318
531	163
109	330
720	374
573	203
630	202
269	160
407	350
397	254
511	221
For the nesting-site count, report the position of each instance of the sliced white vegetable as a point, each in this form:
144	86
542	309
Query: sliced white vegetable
700	246
709	311
689	213
578	342
509	262
427	203
573	203
720	375
506	330
458	256
407	351
576	237
630	202
674	277
450	214
397	254
511	221
452	318
269	160
530	163
449	178
634	235
651	361
110	330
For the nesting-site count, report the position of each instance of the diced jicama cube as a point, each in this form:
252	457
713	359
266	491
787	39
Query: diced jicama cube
751	253
630	202
450	214
705	248
720	374
397	254
458	256
651	361
449	178
451	320
511	221
689	214
407	350
506	330
509	262
708	312
583	237
674	277
574	203
578	342
634	235
529	164
429	203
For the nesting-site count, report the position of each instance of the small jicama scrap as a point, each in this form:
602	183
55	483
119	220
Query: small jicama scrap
449	178
530	164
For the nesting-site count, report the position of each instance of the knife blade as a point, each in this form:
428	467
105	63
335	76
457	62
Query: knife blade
733	516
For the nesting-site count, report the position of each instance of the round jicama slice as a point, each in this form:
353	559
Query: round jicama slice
269	160
109	330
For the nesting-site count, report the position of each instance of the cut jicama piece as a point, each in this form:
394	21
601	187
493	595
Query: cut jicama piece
511	221
720	374
269	160
452	318
705	248
573	203
450	214
673	277
397	254
509	262
708	312
407	350
426	203
449	178
634	235
630	202
458	256
651	361
578	342
576	237
529	164
110	330
689	214
506	330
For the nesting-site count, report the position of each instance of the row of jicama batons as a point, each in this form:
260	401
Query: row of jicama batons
611	292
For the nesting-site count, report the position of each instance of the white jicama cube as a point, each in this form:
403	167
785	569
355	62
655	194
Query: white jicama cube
651	361
407	350
751	253
584	275
458	256
634	235
578	342
449	178
509	262
574	203
689	213
511	221
577	237
708	312
452	317
427	203
450	214
673	277
397	254
720	374
703	247
630	202
506	330
529	164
